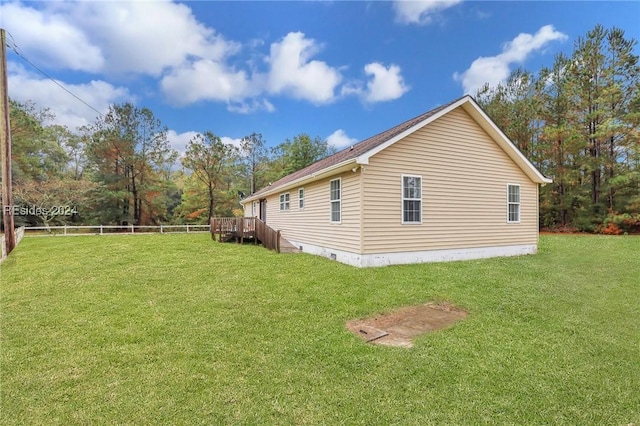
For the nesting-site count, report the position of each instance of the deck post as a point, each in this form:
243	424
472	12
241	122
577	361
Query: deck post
214	227
278	241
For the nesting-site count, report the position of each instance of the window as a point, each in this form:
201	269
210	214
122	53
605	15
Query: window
336	204
284	201
411	199
513	203
301	198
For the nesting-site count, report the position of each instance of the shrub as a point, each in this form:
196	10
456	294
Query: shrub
610	229
619	223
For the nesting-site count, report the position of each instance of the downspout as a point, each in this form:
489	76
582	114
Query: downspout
362	210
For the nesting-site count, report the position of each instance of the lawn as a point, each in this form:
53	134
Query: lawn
176	329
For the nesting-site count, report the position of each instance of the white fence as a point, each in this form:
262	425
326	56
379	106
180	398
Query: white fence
19	233
113	229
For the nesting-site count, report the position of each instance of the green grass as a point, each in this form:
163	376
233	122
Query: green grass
176	329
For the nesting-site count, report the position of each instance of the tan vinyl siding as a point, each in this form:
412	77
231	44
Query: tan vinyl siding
251	209
464	191
312	225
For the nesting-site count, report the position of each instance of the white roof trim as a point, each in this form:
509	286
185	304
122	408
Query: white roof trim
501	139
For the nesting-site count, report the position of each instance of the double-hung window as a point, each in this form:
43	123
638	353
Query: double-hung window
335	196
301	198
284	201
411	199
513	203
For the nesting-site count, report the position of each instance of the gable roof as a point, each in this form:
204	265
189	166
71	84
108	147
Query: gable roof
362	151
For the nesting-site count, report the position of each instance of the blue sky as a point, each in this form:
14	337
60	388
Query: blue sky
342	71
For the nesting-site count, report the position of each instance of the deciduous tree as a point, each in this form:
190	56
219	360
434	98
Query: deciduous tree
301	151
128	150
212	163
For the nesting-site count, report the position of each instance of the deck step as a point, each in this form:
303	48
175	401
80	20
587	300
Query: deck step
287	247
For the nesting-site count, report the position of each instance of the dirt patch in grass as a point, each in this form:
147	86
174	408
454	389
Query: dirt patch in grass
398	328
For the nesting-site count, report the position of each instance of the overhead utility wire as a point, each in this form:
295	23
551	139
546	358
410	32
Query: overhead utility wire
13	46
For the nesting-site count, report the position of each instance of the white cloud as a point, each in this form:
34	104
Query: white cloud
294	74
147	37
140	37
190	61
253	105
495	69
69	111
291	72
339	139
420	12
204	80
384	84
51	38
179	141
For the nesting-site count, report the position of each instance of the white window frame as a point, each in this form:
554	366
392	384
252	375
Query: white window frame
336	201
285	201
516	203
419	199
300	198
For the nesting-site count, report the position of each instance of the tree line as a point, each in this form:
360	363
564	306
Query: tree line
577	120
122	170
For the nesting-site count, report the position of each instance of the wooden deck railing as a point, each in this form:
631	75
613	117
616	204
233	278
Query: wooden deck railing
241	228
237	228
269	237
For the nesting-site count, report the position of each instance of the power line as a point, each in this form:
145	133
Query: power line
14	46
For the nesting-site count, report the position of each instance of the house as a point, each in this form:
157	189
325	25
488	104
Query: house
445	185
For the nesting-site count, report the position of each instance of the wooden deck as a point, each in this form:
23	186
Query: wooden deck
249	229
233	228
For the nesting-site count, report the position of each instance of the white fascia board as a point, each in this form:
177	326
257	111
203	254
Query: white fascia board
485	122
